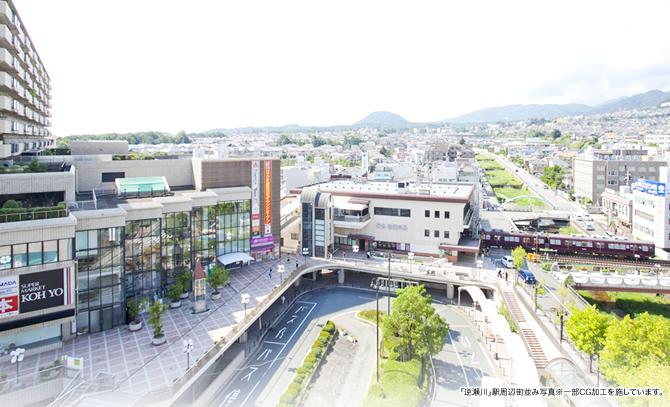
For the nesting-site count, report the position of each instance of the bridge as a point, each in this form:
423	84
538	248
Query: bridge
617	282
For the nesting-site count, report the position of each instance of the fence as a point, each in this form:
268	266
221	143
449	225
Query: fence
35	214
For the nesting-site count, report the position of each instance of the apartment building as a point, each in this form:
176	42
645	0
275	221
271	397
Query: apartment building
93	232
597	170
25	90
651	212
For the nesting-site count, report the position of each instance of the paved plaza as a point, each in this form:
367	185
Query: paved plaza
137	365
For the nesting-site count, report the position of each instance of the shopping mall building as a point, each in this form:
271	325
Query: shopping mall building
96	229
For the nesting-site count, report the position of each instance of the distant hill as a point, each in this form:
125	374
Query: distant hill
640	101
645	100
520	112
382	119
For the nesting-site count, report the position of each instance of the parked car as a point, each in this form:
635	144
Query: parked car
588	218
589	226
527	277
545	186
507	261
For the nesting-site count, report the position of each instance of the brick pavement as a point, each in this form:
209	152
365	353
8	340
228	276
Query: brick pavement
141	367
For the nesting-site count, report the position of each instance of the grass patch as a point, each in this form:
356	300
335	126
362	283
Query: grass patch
502	178
630	303
505	193
570	230
398	383
505	313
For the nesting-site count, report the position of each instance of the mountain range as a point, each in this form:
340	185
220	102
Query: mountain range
645	100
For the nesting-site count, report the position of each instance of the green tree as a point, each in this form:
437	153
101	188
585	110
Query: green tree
155	311
631	342
414	321
386	152
553	176
318	141
555	134
587	329
218	277
11	204
284	140
519	255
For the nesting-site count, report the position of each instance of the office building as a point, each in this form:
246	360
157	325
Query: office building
651	212
599	169
25	90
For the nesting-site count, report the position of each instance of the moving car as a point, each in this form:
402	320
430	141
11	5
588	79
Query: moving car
507	261
527	277
589	227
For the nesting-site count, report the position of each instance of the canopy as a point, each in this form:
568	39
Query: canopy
231	258
141	186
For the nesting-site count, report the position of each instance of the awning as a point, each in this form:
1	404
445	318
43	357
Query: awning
231	258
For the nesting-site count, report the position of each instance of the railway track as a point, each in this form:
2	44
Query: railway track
606	262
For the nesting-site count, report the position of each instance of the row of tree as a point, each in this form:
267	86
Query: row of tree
148	137
553	176
632	352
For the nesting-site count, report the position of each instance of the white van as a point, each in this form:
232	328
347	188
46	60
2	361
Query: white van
507	261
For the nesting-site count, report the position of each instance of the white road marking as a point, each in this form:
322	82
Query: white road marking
250	393
290	321
292	334
281	333
248	375
275	343
451	339
466	341
264	354
230	397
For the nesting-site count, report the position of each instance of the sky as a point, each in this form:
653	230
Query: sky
164	65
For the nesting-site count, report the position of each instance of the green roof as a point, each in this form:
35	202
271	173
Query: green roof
142	186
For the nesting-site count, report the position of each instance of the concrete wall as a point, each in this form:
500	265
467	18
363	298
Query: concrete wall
11	184
85	147
178	172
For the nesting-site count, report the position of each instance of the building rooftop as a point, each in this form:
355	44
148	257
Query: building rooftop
392	190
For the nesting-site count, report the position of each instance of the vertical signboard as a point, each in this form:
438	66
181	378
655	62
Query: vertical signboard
9	296
255	198
267	198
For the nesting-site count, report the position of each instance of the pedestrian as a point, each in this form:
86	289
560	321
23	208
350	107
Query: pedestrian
270	273
499	273
283	300
367	254
506	275
296	264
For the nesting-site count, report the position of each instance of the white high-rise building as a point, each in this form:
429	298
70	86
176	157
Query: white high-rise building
25	90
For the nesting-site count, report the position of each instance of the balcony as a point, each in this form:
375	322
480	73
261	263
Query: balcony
351	221
7	16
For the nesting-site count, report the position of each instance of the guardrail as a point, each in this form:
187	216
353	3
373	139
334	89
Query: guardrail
33	215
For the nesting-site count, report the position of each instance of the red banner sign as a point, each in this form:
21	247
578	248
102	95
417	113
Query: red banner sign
267	197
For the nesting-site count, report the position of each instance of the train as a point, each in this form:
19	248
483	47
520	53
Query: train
569	245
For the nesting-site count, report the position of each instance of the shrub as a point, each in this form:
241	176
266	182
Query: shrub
302	370
329	327
546	266
299	378
11	204
290	394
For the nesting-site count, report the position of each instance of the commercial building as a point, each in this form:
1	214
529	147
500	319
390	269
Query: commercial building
618	207
599	169
25	90
430	220
651	212
96	232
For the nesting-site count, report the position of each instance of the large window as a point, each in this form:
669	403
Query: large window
101	299
233	227
35	253
204	234
143	258
405	213
175	245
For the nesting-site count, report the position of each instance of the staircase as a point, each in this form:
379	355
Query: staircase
529	338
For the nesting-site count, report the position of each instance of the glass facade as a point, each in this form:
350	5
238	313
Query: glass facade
100	299
233	225
307	226
143	258
31	254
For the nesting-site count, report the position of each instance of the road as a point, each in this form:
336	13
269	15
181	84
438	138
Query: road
265	374
560	203
462	362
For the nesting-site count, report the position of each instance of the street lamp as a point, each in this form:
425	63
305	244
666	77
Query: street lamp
188	348
410	257
388	285
280	270
375	285
17	357
244	299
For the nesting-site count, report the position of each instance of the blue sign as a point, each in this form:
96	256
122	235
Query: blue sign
649	187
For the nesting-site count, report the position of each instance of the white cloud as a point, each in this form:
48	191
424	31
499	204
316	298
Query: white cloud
172	65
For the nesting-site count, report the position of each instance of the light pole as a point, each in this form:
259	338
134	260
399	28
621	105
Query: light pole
637	257
410	257
305	252
375	285
244	299
388	286
17	357
354	249
280	270
188	348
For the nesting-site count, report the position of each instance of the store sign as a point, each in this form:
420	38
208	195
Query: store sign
47	289
255	198
267	198
261	241
390	226
649	187
9	296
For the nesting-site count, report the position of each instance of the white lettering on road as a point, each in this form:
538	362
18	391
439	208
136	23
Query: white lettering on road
281	333
230	397
466	341
264	354
293	317
300	309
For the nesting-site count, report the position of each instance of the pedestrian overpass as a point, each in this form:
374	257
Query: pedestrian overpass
617	282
